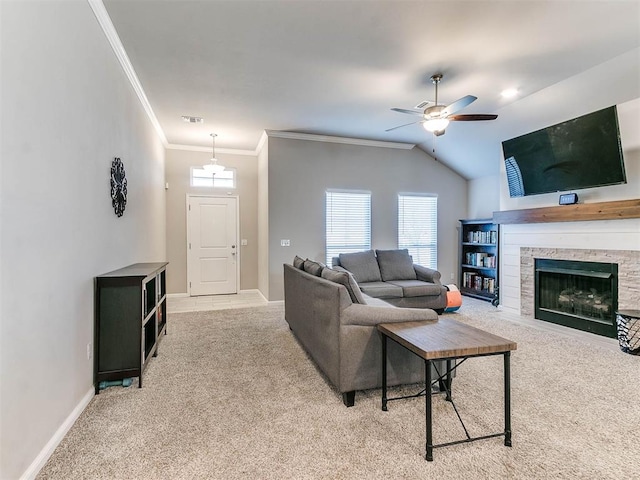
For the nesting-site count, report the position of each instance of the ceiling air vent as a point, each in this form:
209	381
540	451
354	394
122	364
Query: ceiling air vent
422	105
189	119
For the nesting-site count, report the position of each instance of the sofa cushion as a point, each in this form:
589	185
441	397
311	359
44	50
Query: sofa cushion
381	289
395	265
298	262
362	265
314	268
346	279
417	288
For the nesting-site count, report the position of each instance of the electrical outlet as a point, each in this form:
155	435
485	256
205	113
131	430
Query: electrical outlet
285	243
452	276
89	351
243	242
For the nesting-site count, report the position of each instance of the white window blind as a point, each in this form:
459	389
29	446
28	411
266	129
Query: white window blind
201	178
348	222
418	228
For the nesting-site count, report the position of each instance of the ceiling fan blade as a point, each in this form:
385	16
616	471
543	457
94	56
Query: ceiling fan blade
458	105
472	117
410	112
405	125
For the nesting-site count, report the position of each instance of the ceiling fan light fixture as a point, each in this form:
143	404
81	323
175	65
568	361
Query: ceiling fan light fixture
213	167
435	124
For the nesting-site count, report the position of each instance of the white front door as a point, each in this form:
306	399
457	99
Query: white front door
212	250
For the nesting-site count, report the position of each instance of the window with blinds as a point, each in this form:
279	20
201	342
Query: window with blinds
348	222
418	228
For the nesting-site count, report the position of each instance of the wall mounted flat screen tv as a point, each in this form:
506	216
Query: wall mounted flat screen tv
581	153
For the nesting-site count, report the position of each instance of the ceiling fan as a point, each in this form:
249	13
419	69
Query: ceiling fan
436	117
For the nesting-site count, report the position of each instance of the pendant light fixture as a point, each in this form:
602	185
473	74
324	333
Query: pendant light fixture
213	167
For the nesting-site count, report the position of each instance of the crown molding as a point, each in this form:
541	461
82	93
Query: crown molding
261	143
193	148
344	140
109	30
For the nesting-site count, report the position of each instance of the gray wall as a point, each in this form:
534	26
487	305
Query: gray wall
300	171
67	110
179	163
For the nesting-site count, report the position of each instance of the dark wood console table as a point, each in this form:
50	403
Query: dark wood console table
130	319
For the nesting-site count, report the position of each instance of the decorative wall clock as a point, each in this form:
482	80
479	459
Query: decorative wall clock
118	187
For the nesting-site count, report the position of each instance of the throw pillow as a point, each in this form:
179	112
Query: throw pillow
314	268
346	279
362	265
395	265
298	262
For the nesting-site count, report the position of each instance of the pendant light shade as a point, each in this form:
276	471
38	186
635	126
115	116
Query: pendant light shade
213	167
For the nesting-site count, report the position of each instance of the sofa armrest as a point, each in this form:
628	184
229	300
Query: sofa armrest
368	315
427	274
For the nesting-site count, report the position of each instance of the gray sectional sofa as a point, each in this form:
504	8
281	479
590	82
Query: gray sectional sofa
337	325
392	276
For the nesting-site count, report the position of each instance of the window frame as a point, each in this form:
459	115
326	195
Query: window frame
423	253
192	169
333	249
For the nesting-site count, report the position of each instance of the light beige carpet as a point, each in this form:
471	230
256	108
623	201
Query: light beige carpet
233	395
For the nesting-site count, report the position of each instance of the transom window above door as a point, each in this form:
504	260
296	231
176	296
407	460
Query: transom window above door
201	178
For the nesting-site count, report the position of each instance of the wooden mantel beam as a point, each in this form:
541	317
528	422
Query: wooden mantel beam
581	212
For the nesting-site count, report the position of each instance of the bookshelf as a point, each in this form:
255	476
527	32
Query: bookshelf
130	320
479	241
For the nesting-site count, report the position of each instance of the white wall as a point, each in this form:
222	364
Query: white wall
300	171
67	110
484	197
178	175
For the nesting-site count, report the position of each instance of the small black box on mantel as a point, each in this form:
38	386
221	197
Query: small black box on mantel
568	199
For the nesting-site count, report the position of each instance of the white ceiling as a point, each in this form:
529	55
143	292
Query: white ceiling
337	67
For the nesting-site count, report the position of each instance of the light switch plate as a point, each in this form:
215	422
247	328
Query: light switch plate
285	243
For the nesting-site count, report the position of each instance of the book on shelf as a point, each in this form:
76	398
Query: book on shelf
473	281
479	236
480	259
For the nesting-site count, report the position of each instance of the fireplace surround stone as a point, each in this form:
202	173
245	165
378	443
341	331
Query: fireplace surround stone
628	272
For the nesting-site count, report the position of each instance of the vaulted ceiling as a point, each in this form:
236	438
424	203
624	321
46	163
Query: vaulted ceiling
337	67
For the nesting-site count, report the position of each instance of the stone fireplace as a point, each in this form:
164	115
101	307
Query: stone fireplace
628	281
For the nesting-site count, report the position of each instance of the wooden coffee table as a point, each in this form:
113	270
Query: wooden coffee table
447	340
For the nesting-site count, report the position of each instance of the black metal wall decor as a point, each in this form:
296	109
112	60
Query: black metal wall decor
118	187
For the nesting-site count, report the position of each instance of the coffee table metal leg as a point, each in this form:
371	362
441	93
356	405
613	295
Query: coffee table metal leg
448	381
427	381
507	399
384	372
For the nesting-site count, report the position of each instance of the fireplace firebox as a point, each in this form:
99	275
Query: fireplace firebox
581	295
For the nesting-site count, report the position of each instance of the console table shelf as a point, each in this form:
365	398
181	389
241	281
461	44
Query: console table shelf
130	319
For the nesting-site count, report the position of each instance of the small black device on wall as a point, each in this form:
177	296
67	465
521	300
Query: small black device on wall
568	199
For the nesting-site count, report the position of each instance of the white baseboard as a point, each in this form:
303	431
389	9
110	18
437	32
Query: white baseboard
255	290
177	295
51	445
276	302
